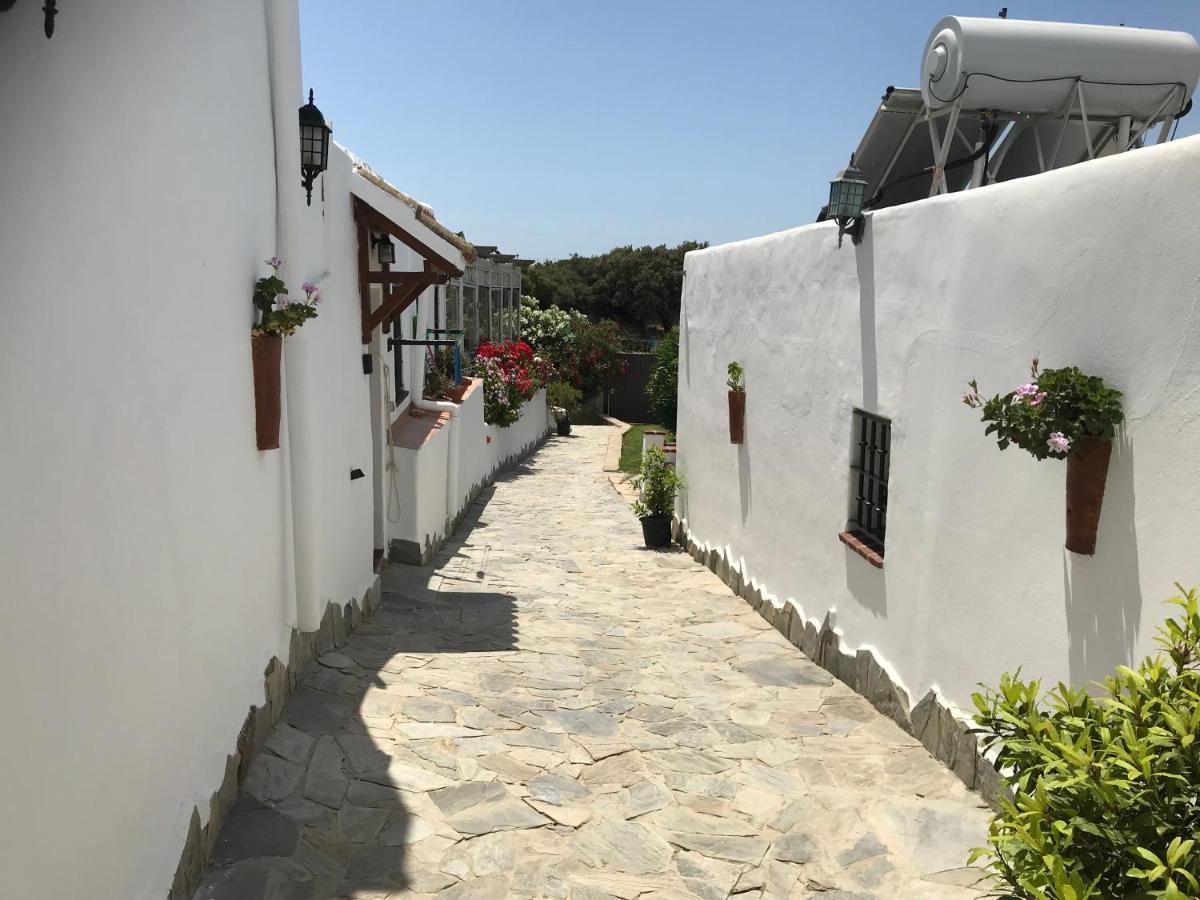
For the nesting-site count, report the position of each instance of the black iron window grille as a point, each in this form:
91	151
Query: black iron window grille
869	465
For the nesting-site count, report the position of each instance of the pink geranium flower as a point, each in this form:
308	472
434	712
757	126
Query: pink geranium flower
1059	443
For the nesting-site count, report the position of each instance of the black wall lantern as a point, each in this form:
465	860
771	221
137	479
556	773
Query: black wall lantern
846	195
49	11
314	145
385	249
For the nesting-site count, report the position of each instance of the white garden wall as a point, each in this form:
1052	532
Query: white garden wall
464	451
1095	266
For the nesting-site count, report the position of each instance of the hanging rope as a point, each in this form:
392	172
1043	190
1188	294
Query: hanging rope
392	470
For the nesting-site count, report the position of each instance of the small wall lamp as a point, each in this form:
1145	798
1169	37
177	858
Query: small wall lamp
385	250
49	11
314	145
846	195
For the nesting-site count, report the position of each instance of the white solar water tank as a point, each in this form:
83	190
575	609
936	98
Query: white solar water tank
998	63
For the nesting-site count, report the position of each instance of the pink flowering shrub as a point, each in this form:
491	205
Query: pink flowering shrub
1047	416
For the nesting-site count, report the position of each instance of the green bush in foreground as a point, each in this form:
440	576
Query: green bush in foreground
1107	788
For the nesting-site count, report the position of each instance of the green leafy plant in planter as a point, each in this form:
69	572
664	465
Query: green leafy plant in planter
1106	799
1060	414
737	402
278	315
563	398
658	484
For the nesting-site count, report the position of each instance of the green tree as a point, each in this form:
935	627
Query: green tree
633	286
663	386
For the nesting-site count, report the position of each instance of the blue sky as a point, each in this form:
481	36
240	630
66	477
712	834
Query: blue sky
557	126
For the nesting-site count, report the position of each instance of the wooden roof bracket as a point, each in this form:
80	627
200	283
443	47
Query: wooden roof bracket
400	288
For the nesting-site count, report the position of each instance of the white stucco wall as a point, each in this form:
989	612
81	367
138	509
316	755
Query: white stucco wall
141	533
509	442
427	508
474	458
146	545
341	392
1094	266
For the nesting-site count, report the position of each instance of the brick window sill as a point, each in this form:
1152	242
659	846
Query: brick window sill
855	543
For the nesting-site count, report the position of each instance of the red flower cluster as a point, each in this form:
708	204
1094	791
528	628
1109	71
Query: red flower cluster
518	366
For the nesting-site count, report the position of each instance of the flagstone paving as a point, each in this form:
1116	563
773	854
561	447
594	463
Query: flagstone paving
551	710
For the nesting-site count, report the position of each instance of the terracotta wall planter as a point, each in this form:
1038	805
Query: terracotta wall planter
737	417
1087	471
266	350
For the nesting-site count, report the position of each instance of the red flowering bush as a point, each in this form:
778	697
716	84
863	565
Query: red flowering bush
511	376
592	358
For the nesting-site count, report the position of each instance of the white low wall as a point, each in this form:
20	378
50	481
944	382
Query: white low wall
509	443
427	510
1094	266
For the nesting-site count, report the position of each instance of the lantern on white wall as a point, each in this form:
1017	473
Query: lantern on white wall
385	250
314	145
847	193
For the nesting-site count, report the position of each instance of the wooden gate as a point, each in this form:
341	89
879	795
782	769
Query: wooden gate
627	398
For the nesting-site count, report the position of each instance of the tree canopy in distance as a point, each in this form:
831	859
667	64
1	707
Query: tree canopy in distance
637	287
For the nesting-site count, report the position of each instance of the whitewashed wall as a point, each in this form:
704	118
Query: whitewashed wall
148	550
428	509
1094	266
341	394
142	536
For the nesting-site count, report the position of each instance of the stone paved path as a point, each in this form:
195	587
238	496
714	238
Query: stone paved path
553	711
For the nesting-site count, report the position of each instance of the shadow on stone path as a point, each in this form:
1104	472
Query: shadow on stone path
550	711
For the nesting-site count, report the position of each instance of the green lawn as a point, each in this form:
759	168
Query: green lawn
631	447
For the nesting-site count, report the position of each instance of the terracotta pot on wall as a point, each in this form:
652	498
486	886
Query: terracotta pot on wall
737	417
266	350
1087	471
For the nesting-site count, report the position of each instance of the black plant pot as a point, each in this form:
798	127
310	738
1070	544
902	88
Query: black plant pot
564	427
656	531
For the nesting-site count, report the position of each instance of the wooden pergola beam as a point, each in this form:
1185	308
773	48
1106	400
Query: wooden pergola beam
377	221
400	288
398	300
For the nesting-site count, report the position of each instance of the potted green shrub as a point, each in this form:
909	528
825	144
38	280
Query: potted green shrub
737	403
563	398
658	485
1061	414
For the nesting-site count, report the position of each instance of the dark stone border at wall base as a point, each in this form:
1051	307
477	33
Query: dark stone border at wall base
280	681
946	737
412	553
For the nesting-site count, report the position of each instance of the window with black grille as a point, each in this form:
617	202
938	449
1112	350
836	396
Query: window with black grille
869	464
